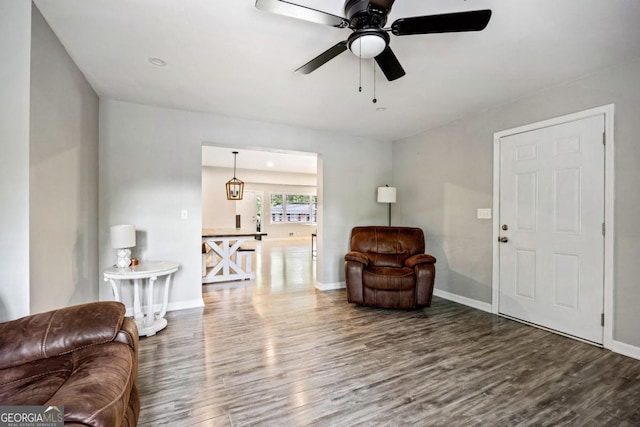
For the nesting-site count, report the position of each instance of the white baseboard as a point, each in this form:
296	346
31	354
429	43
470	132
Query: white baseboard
484	306
172	306
625	349
184	305
330	286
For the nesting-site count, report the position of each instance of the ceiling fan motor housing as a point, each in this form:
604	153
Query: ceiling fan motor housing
361	13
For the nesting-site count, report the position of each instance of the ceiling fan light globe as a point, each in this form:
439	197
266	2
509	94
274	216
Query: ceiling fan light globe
368	46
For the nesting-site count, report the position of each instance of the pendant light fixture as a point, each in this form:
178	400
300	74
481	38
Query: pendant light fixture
235	187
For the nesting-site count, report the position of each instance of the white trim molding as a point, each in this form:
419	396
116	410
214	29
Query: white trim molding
184	305
474	303
330	286
625	349
172	306
608	307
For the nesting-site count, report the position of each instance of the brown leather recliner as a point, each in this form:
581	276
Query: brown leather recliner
387	267
84	358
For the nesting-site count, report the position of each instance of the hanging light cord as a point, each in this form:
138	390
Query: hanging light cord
235	153
374	82
360	69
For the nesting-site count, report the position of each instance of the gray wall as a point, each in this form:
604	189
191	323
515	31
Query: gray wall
150	169
63	176
15	40
48	170
444	174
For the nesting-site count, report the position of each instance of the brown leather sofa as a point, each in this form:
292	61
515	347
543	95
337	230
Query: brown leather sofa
387	267
83	357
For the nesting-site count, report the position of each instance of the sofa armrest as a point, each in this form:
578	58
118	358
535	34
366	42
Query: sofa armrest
98	390
357	257
57	332
419	259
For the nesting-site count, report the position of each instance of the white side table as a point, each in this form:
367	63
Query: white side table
150	322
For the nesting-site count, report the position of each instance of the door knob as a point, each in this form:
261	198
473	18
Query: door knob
503	239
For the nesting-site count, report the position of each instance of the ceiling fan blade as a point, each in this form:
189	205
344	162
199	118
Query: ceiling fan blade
323	58
475	20
390	65
301	12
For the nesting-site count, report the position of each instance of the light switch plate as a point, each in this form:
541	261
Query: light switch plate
484	213
184	214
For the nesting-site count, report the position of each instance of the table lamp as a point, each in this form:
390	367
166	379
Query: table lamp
123	237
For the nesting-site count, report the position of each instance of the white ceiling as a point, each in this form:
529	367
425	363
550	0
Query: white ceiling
260	160
225	56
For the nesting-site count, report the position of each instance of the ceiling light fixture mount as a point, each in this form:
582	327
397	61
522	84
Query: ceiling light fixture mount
158	62
235	187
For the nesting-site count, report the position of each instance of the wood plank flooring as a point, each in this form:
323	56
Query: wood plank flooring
276	352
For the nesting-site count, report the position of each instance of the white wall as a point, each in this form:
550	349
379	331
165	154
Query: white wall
150	169
15	41
63	176
218	212
280	230
444	174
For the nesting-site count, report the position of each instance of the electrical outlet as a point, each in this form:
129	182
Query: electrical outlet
184	214
484	213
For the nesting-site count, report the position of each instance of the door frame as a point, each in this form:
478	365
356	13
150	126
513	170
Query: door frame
608	112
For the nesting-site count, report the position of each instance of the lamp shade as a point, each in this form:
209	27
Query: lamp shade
386	194
123	236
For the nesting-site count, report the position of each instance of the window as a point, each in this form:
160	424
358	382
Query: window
294	208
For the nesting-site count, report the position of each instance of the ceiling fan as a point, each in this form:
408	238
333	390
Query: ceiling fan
369	37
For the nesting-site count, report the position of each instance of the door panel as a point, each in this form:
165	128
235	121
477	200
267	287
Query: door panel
566	192
527	197
526	274
566	280
552	203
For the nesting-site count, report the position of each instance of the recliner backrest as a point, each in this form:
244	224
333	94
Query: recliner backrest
387	246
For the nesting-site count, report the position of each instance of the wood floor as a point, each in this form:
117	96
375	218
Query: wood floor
276	352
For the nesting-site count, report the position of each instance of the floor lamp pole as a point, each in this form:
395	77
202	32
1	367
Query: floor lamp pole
389	214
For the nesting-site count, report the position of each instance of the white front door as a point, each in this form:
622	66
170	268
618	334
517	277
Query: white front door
551	219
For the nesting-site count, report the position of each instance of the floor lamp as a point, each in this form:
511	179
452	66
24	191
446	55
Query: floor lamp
387	194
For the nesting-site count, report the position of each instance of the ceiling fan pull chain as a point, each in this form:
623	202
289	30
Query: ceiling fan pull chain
360	70
374	83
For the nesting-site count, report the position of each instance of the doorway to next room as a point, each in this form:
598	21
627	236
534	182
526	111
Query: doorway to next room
279	205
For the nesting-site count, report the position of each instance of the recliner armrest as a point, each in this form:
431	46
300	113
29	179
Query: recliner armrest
357	257
419	259
57	332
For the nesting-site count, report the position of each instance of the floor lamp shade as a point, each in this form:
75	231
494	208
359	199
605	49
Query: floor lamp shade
386	194
123	237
